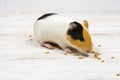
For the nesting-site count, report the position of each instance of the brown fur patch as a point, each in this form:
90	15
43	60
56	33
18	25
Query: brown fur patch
83	46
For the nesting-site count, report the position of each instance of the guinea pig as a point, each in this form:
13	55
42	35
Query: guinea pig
67	33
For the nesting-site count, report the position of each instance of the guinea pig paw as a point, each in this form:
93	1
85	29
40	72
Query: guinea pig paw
67	50
49	46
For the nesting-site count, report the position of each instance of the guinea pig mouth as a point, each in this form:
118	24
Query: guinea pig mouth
84	54
79	52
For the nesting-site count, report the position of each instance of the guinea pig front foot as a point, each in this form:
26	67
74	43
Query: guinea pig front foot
48	46
68	50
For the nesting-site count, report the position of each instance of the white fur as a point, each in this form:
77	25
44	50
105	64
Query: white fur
53	29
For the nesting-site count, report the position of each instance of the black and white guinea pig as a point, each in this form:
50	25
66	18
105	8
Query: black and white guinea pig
63	31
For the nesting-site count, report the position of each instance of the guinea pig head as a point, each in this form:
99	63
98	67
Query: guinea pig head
79	37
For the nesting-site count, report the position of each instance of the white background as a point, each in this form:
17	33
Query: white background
63	6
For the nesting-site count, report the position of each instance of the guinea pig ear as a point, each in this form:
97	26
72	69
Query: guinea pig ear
85	24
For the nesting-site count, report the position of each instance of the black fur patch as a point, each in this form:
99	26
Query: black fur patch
76	32
46	15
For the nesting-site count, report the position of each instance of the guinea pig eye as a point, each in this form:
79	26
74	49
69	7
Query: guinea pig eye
81	39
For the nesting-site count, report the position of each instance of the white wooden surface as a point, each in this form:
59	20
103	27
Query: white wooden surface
22	59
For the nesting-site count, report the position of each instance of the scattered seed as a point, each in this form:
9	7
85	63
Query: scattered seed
92	52
30	39
30	36
112	57
96	55
118	74
47	52
65	54
80	57
102	61
98	58
99	45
